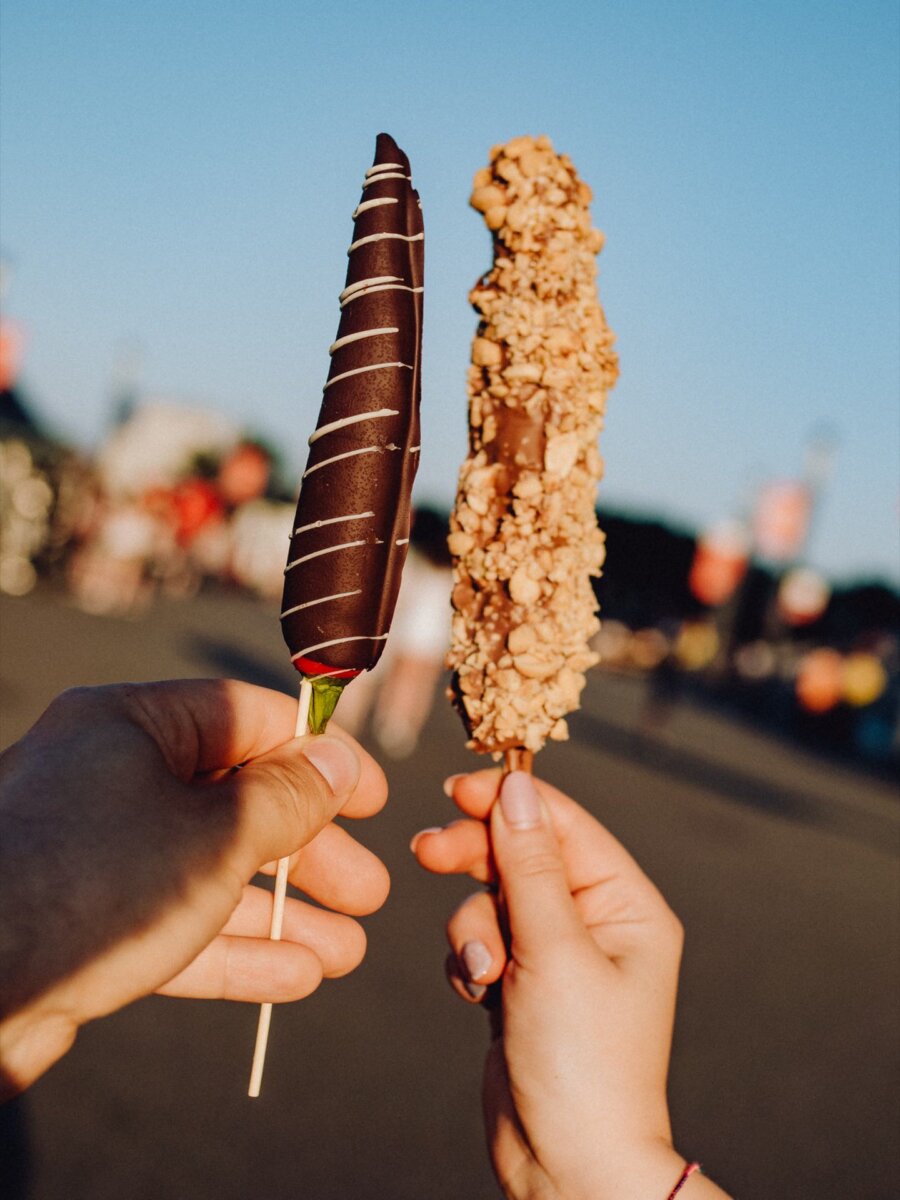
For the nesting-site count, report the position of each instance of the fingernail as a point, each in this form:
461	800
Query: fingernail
475	990
519	801
450	784
421	833
335	761
476	960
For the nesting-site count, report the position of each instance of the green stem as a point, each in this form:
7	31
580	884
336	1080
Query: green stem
325	694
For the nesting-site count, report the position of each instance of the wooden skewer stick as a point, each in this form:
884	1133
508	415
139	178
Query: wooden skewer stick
278	897
518	759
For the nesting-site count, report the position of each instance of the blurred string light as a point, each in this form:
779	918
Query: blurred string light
755	661
697	645
26	503
648	648
826	678
819	683
864	679
611	642
803	596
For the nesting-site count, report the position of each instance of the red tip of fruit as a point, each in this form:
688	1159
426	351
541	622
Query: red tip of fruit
306	666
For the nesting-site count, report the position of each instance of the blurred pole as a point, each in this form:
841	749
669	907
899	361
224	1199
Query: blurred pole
124	384
818	469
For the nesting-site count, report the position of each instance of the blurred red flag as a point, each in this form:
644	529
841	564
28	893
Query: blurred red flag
12	342
781	520
720	562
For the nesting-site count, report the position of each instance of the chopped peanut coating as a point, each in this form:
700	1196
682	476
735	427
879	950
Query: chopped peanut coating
524	533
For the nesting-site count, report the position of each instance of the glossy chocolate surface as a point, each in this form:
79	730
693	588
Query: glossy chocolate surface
351	530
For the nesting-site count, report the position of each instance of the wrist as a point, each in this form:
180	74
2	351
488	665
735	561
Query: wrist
648	1170
652	1172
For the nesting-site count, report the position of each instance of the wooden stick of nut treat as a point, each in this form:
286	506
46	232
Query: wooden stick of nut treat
524	532
351	530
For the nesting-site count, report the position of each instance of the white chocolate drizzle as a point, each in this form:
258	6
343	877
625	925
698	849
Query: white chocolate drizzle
386	175
321	600
331	521
364	283
331	570
357	337
383	237
318	553
367	204
359	637
333	426
385	287
326	462
362	370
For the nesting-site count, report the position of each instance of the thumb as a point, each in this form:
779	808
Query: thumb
539	904
287	796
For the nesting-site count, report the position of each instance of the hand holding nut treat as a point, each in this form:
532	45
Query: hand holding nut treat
524	533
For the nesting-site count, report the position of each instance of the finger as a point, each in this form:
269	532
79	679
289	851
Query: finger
253	969
207	726
472	993
340	873
371	792
476	940
338	941
475	792
461	848
591	854
285	797
542	916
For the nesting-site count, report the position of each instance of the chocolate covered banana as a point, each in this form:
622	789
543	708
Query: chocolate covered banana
524	532
351	529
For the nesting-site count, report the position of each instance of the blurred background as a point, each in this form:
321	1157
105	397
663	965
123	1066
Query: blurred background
175	196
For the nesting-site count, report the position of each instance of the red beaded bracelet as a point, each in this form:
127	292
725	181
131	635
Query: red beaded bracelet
689	1170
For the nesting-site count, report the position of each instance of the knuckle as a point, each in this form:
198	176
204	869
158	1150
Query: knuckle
537	864
294	789
72	700
477	911
671	932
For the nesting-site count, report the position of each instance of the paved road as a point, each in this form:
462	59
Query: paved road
783	868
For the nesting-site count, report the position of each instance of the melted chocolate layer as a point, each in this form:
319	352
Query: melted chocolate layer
351	531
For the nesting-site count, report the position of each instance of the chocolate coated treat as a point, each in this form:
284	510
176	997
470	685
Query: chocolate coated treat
524	532
351	530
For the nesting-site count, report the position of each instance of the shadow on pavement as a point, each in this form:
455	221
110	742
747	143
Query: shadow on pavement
792	804
224	658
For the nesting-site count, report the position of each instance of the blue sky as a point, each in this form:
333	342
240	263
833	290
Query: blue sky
181	176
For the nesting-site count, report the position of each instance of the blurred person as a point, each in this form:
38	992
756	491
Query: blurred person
161	444
245	474
400	692
109	572
260	530
128	840
665	684
588	951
